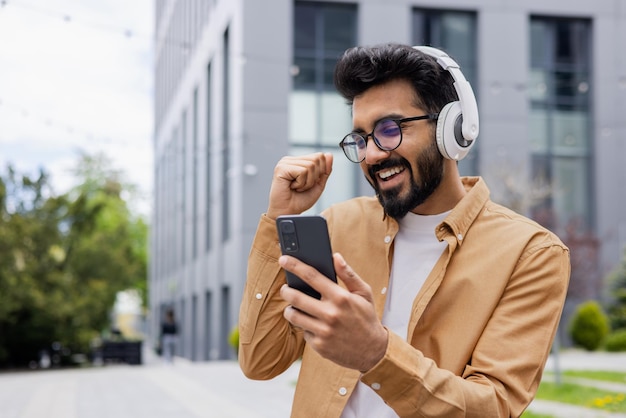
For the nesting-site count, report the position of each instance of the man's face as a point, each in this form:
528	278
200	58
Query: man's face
407	176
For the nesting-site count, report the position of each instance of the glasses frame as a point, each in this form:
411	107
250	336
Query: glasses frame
399	122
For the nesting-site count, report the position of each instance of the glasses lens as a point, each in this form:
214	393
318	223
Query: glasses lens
354	147
388	134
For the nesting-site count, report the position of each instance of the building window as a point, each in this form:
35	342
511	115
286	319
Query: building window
194	327
226	322
194	177
208	317
226	159
318	115
207	163
560	118
182	329
182	214
172	209
454	32
157	241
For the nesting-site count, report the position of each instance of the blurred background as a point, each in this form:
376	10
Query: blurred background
76	169
138	140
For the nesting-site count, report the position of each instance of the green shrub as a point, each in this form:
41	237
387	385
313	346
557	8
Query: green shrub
233	339
616	341
589	325
616	282
617	310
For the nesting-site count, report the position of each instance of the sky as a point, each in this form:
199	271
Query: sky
77	76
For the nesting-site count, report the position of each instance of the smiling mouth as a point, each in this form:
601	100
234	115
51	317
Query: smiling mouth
389	173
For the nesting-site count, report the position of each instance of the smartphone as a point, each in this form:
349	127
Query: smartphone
306	238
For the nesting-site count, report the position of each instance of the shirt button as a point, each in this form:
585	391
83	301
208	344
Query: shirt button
258	296
343	391
376	386
383	290
387	239
460	237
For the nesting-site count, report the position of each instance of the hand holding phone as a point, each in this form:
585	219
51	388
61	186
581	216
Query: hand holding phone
305	237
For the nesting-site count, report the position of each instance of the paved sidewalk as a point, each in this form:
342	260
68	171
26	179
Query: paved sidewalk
198	390
584	360
154	390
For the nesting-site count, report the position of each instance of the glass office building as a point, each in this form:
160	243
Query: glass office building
238	84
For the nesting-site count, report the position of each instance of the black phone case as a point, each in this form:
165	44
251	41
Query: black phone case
312	247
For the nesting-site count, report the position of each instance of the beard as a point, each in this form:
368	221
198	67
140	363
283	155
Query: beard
429	165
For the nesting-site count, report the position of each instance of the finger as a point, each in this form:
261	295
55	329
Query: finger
326	169
313	170
328	159
294	297
294	171
348	276
299	319
308	274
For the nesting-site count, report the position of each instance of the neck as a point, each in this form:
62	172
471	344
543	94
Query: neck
447	195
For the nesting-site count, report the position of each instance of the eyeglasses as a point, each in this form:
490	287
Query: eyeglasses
387	136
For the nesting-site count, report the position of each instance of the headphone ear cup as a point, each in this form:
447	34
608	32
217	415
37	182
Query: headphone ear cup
450	140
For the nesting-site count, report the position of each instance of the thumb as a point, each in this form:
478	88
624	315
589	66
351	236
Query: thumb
328	168
329	162
348	276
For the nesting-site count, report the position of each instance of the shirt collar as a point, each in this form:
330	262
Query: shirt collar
467	210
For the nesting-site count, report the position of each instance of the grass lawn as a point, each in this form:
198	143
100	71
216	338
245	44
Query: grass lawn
617	377
585	396
529	414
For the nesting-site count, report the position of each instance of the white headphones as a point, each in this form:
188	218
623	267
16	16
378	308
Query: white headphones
457	125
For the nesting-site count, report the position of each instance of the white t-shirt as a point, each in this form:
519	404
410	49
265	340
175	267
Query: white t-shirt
416	250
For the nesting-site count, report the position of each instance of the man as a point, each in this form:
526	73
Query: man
446	303
169	336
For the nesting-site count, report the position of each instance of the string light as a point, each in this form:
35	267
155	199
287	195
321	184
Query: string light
68	18
186	47
69	129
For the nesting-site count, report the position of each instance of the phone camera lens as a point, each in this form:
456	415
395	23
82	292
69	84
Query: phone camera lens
288	235
291	243
287	227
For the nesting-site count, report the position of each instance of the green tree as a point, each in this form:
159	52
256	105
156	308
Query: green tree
107	245
30	278
64	258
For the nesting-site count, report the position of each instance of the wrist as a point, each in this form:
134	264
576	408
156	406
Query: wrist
379	349
273	214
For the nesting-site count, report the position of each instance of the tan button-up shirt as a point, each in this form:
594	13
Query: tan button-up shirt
480	330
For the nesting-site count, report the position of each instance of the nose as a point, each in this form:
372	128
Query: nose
373	154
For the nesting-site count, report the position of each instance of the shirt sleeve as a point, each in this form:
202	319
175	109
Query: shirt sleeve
268	344
505	369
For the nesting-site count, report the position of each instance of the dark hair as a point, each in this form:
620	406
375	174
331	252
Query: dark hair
363	67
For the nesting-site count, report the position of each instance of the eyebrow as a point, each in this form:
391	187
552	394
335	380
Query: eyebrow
389	116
